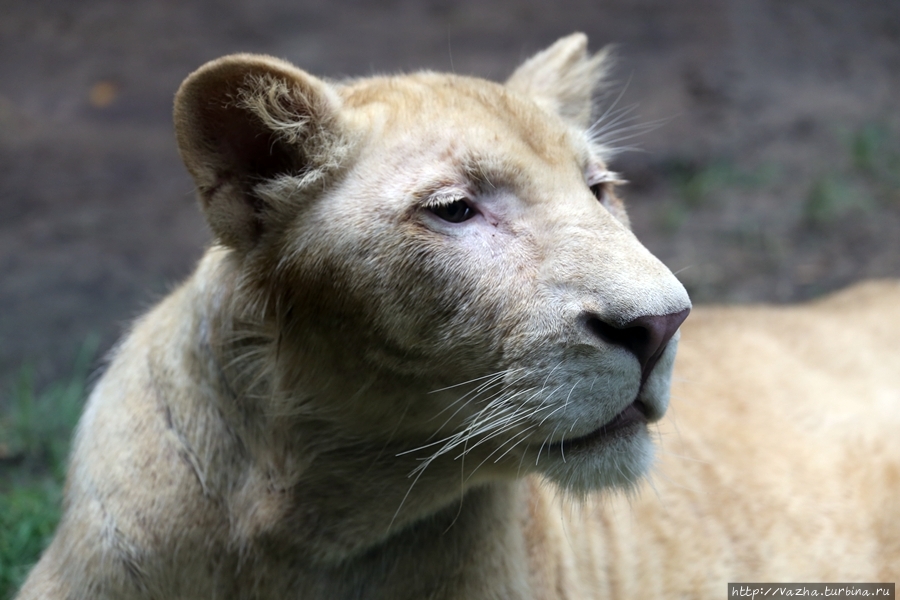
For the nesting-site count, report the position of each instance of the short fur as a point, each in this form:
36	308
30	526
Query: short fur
356	397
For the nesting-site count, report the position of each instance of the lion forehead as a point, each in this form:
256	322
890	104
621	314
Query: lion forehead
466	119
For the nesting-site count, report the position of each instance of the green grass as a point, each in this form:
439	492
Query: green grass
35	432
699	185
868	179
863	178
28	516
833	197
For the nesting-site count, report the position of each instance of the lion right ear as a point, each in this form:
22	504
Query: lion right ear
563	78
243	121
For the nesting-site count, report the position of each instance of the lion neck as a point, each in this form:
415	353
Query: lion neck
472	549
336	508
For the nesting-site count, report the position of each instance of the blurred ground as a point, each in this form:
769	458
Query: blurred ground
774	173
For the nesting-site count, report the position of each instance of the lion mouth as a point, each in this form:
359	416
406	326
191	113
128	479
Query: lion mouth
635	414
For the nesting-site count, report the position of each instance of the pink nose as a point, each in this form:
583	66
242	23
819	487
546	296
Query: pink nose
646	337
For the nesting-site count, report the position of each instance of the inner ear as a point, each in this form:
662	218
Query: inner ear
247	149
245	120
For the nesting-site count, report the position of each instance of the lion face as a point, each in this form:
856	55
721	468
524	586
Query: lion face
443	261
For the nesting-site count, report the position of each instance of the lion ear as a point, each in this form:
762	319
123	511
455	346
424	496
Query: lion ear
245	121
562	78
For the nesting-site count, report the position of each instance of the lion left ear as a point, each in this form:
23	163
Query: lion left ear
245	122
562	78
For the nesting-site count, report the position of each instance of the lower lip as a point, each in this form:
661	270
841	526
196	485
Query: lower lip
635	414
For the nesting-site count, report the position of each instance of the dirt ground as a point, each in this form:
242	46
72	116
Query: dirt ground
772	173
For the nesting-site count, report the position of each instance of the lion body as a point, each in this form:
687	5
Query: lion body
417	326
777	462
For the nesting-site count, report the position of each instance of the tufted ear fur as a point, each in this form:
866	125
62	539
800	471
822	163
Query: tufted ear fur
244	123
562	78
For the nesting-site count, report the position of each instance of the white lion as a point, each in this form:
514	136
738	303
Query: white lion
424	313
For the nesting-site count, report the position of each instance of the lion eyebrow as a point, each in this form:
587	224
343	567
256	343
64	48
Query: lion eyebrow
476	172
471	174
607	176
489	173
435	190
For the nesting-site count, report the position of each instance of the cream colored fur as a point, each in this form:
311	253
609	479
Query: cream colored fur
355	396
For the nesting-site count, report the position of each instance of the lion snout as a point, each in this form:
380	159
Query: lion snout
646	336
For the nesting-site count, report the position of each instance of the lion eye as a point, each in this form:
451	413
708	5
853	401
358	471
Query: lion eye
454	212
599	191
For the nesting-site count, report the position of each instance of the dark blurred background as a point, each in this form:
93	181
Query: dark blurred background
773	173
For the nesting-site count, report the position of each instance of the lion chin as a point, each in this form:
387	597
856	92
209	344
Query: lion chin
423	318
